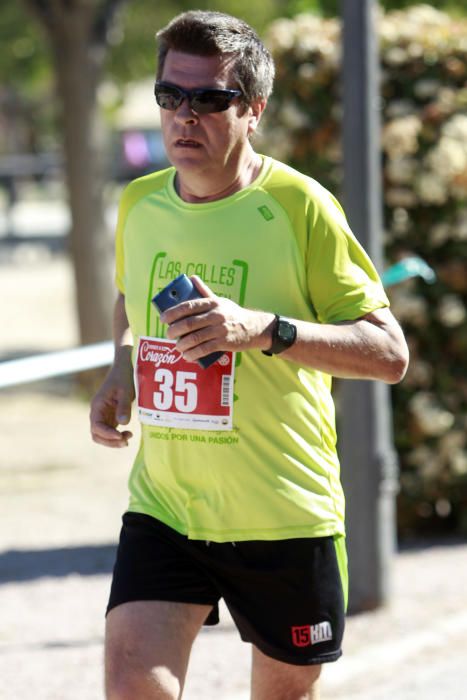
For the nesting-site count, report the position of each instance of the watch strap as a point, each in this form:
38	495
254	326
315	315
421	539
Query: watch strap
281	341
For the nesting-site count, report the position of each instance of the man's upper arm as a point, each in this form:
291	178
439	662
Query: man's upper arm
393	337
383	318
122	333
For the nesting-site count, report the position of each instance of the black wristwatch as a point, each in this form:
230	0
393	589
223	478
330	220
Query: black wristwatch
284	334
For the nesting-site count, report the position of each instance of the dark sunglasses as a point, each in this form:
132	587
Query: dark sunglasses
200	100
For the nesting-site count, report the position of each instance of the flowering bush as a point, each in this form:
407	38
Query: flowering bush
424	148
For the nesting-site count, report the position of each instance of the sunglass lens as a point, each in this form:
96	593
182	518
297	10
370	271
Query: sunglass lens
202	101
168	98
209	101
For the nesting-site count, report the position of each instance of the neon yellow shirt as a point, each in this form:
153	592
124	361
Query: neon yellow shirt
280	245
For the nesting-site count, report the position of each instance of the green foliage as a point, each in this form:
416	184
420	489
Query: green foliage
24	59
290	8
132	41
26	73
332	8
424	146
26	84
452	6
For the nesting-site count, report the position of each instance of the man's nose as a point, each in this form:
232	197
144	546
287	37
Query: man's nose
185	114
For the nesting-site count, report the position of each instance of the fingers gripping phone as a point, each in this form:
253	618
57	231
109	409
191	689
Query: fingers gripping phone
182	289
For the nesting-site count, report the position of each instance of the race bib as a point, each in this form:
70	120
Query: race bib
174	393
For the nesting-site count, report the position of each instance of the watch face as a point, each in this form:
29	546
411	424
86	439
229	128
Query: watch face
286	331
283	336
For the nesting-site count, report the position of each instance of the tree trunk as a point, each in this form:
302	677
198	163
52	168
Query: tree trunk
78	68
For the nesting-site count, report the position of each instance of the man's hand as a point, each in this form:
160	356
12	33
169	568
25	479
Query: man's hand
111	405
202	326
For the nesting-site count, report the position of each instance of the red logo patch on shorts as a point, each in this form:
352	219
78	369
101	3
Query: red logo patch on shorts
307	635
301	636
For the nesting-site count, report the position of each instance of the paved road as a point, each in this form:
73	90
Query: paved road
51	641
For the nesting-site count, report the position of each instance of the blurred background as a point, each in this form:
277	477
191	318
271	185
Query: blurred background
77	121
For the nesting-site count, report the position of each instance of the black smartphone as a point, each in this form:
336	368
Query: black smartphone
182	289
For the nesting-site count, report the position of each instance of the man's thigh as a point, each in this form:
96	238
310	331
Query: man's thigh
156	563
147	648
275	680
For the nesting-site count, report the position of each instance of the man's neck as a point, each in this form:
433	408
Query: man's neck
204	187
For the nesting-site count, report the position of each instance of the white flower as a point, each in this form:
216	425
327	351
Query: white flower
454	440
431	188
292	117
458	462
447	98
307	71
396	56
419	456
307	24
400	136
401	197
428	16
403	26
451	311
408	307
427	463
430	417
425	89
414	50
400	108
400	221
401	170
456	129
452	450
439	234
448	158
281	35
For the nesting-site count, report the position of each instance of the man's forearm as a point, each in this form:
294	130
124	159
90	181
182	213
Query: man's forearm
368	348
371	347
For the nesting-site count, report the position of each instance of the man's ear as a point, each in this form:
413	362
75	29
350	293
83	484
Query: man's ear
255	110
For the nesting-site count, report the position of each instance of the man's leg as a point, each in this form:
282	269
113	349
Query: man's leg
147	648
274	680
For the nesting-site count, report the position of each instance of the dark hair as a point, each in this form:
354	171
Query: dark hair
206	33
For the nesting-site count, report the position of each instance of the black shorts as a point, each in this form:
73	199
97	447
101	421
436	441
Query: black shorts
287	597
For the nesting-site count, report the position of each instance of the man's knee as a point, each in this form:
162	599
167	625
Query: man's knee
132	688
147	647
125	679
275	680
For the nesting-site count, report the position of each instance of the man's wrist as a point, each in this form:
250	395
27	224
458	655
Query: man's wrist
283	336
123	354
265	337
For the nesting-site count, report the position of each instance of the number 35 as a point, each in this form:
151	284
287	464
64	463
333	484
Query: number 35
184	396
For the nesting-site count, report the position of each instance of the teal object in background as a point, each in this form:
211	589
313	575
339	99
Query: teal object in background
406	268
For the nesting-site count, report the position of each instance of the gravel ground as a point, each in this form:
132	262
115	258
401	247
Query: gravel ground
61	498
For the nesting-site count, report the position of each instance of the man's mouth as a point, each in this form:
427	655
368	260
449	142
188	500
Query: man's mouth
187	143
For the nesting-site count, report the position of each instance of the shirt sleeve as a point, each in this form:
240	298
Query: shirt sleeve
342	281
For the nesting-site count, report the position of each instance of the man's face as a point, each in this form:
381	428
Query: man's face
203	143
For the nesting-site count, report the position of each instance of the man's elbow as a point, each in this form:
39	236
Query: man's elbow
397	364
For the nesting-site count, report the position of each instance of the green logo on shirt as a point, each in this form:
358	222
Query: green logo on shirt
228	280
266	213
